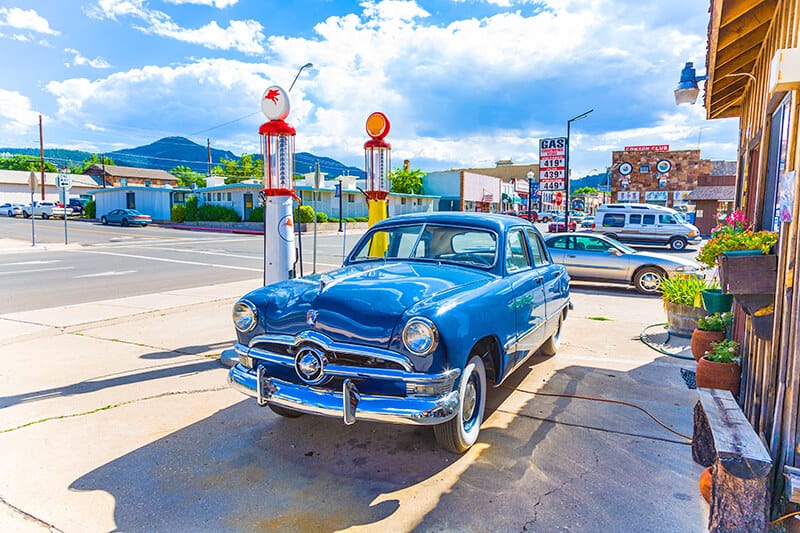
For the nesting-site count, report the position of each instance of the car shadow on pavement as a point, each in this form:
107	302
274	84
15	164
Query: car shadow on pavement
189	350
542	463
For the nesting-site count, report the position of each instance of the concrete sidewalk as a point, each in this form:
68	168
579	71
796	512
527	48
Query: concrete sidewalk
115	415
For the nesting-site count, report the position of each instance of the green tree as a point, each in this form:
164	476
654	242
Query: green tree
247	167
26	162
585	191
407	181
186	176
93	160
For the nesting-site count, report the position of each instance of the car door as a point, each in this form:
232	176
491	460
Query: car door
527	284
601	260
555	289
666	227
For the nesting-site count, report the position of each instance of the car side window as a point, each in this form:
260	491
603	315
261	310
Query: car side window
614	220
516	252
538	252
593	244
636	219
649	220
666	219
559	243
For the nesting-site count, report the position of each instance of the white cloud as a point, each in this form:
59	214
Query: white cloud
79	60
220	4
16	113
242	35
25	19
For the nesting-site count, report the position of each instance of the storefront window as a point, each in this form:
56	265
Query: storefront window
776	164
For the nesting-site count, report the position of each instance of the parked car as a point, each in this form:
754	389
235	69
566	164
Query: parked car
77	205
591	257
559	224
533	217
577	216
46	210
588	222
400	333
11	210
126	217
645	224
547	216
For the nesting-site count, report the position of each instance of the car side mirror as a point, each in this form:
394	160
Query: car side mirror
614	251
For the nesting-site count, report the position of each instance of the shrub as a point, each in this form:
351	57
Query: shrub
734	234
723	352
348	219
322	217
715	322
306	215
336	220
191	208
256	215
217	213
359	219
90	209
178	213
684	290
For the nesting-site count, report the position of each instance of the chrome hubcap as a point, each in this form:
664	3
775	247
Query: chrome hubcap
470	399
651	282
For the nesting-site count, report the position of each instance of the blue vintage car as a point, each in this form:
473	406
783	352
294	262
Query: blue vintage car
426	312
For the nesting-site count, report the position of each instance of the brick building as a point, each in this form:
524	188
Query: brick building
655	175
713	198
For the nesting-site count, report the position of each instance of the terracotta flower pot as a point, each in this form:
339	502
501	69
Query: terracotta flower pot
701	341
713	375
705	484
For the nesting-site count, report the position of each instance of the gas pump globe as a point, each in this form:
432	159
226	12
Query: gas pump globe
377	162
277	153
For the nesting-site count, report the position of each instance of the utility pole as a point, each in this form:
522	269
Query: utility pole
41	157
103	160
208	143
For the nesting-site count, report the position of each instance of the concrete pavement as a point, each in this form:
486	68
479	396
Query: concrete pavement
114	415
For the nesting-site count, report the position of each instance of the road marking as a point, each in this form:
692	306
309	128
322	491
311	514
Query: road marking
35	270
216	253
110	273
165	260
33	262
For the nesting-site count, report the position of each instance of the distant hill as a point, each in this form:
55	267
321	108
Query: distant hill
593	180
170	152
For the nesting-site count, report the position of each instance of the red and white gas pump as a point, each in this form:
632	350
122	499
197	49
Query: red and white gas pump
377	164
277	152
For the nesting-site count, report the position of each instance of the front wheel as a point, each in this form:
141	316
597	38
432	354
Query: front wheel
25	214
11	213
104	221
460	433
678	243
648	280
45	216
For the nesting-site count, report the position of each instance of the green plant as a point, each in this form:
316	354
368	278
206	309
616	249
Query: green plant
217	213
305	214
682	289
191	208
734	234
178	213
90	209
723	352
358	219
322	217
715	322
256	215
348	219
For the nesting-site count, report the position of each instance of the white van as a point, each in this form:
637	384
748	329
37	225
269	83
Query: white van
646	224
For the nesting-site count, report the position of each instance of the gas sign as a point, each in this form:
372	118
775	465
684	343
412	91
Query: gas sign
552	163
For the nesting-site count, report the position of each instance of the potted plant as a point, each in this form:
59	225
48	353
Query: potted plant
680	293
716	301
745	266
711	328
719	367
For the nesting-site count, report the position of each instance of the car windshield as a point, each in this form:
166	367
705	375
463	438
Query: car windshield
428	242
623	247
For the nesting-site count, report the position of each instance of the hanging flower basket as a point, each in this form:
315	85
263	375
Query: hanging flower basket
716	301
752	273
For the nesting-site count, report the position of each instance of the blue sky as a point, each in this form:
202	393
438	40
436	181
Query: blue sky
464	82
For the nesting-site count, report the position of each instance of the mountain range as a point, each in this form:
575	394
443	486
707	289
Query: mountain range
170	152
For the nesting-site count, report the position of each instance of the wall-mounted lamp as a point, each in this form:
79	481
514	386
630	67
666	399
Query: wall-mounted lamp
687	90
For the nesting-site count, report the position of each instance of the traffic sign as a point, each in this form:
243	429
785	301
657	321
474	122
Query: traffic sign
32	181
559	198
64	181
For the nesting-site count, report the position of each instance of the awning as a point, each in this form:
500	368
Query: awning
721	193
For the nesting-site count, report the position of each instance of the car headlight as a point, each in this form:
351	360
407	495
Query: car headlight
420	336
244	315
686	269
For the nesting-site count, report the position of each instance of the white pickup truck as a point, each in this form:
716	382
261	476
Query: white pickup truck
46	210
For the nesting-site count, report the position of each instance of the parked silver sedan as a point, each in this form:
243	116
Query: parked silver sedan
592	257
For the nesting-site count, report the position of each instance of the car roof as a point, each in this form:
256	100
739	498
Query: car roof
491	221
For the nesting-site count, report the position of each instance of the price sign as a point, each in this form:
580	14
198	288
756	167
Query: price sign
552	163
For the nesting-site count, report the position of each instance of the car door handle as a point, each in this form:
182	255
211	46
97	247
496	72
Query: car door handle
572	256
540	280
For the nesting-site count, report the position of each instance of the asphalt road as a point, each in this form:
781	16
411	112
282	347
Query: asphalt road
105	262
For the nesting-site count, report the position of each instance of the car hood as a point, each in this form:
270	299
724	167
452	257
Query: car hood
359	303
666	260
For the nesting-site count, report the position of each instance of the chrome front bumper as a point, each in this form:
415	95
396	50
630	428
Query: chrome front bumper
348	404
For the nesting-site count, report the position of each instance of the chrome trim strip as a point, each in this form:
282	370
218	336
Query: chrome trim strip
410	410
334	346
356	372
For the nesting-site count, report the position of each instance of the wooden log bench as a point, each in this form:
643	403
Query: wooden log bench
724	439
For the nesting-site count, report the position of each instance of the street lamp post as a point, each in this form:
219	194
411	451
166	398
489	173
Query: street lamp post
341	193
307	65
530	177
566	165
